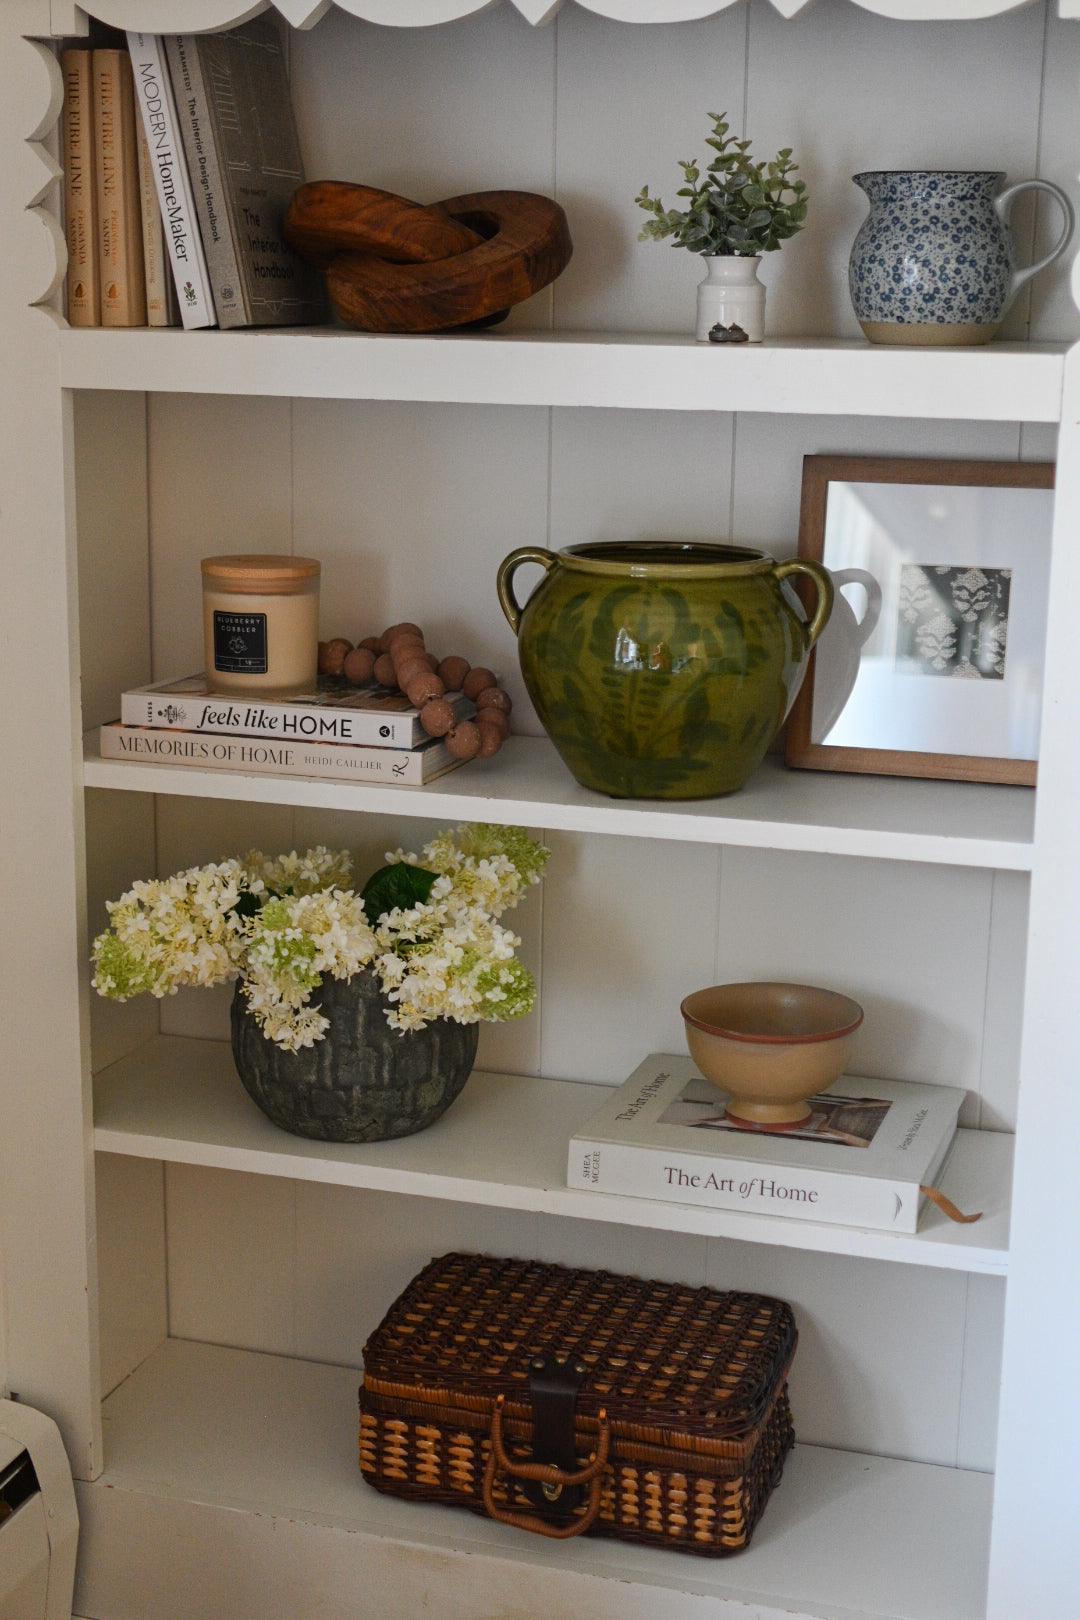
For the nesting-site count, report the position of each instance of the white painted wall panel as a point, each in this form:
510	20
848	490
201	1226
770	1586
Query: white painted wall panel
131	1263
631	101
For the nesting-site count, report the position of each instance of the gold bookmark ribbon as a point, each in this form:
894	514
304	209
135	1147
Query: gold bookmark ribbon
947	1207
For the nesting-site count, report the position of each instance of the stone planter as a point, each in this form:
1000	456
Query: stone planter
363	1082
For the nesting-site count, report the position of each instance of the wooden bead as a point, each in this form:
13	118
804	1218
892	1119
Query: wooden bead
359	666
491	740
464	741
384	670
409	672
371	644
477	681
432	663
423	687
406	645
453	671
493	697
494	717
437	717
406	627
332	655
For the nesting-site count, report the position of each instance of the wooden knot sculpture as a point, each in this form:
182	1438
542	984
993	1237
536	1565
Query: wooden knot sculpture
392	265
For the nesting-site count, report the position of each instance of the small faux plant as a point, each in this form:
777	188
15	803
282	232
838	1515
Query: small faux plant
426	927
737	207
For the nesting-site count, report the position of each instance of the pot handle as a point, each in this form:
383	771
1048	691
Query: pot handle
1003	205
508	568
546	1474
823	583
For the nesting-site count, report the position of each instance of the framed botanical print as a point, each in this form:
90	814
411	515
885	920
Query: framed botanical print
932	662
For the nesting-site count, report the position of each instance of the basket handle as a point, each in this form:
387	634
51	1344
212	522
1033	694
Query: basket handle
545	1474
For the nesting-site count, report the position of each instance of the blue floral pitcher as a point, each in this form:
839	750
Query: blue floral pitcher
934	261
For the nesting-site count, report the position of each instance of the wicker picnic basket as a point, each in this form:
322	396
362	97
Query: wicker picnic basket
568	1402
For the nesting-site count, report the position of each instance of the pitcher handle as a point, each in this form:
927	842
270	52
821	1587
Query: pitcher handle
508	568
1003	205
823	583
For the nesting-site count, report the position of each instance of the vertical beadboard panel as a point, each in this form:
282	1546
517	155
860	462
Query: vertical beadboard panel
999	1076
884	96
638	475
631	101
769	453
114	592
909	943
112	523
411	509
878	1366
984	1325
356	1250
131	1263
231	1258
1054	316
432	112
626	937
220	481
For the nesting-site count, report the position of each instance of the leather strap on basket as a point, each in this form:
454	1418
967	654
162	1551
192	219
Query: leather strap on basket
557	1479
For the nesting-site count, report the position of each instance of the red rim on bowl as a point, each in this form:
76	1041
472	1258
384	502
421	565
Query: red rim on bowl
849	1016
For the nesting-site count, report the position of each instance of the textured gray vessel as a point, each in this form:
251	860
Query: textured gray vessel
363	1082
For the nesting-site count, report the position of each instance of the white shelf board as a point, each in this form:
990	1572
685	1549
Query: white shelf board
231	1486
999	382
503	1143
948	823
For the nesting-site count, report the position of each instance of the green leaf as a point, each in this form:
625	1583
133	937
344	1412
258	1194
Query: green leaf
398	885
249	905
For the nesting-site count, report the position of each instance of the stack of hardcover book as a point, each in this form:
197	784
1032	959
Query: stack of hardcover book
339	732
180	157
868	1155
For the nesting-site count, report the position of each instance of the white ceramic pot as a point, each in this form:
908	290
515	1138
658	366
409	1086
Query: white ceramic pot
731	294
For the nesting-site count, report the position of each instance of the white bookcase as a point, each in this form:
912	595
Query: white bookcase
186	1289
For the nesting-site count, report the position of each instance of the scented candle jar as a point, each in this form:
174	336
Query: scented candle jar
261	623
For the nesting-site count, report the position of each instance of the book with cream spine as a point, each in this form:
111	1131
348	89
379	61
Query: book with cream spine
120	254
371	715
660	1135
80	222
158	276
337	762
153	92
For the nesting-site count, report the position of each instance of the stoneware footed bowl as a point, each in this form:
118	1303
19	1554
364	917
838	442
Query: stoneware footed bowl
770	1046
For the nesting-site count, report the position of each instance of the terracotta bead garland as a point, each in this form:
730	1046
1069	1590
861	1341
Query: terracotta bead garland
398	658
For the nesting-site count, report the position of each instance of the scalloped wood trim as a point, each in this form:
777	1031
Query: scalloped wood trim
199	15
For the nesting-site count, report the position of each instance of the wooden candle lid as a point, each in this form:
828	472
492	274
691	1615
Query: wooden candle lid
263	573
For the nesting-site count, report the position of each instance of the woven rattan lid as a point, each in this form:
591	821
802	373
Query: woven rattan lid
697	1360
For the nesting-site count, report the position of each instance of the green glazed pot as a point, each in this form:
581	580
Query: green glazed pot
659	670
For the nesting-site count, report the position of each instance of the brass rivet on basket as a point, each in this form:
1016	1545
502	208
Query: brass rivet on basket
537	1363
551	1492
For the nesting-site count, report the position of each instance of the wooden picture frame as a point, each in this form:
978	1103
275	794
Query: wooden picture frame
819	473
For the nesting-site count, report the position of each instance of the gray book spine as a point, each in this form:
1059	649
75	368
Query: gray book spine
249	125
207	184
